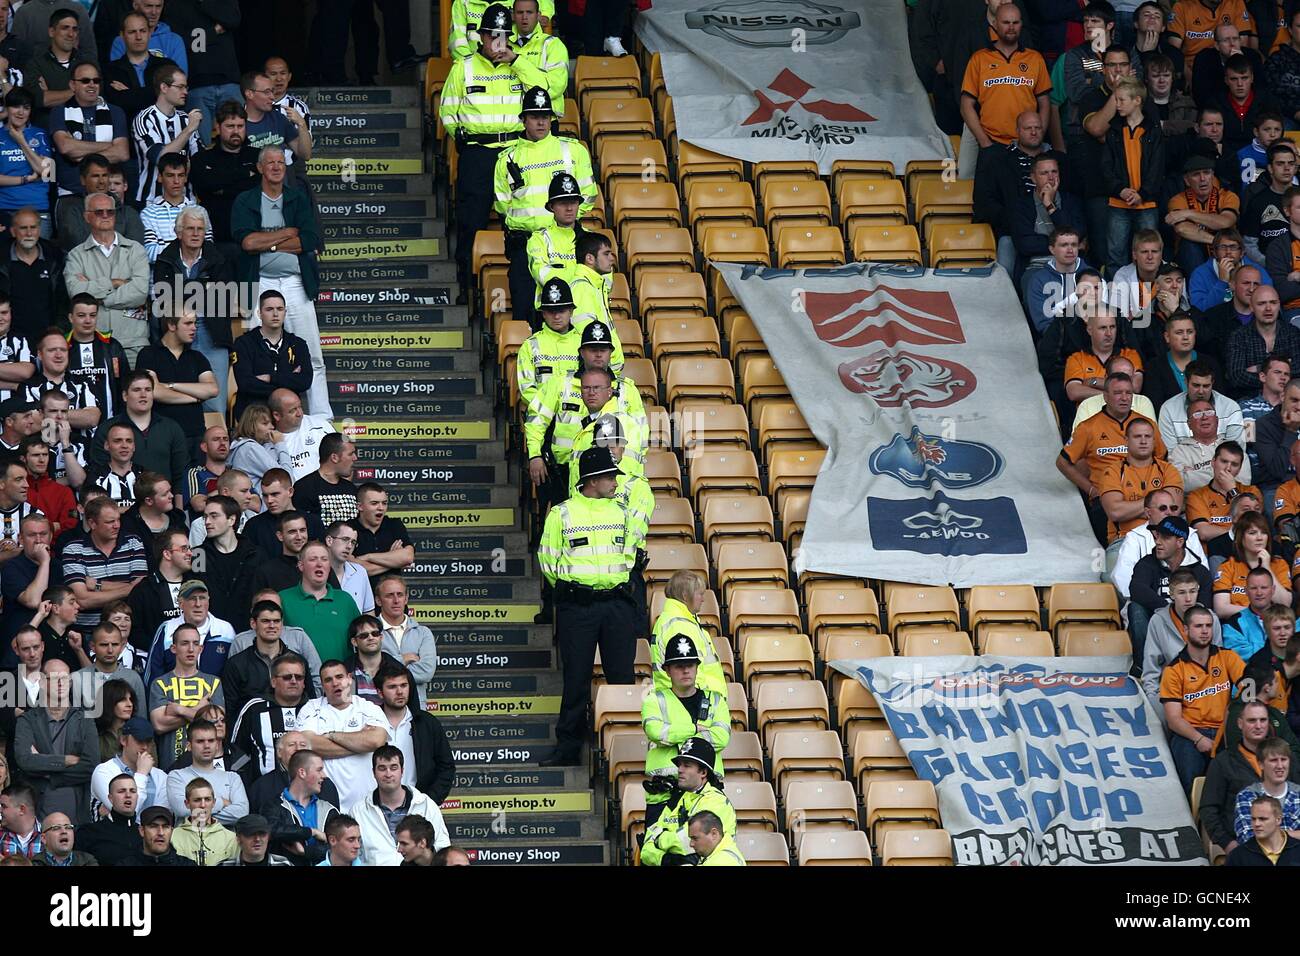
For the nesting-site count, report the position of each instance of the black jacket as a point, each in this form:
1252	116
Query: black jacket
1114	163
279	572
999	182
1150	584
214	268
1273	446
261	531
246	676
218	177
36	294
170	858
214	62
268	787
435	768
110	840
1239	132
1227	776
1212	334
1250	854
136	97
286	828
1159	383
1022	215
1207	73
289	367
232	587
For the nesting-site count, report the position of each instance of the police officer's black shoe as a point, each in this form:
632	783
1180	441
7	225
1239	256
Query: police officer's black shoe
560	759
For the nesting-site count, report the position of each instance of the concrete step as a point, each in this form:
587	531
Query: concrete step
506	590
555	802
416	207
539	853
389	317
390	276
521	756
492	569
367	430
441	496
497	730
439	544
345	142
521	777
358	99
383	250
401	386
438	408
494	663
465	638
396	452
367	229
347	119
482	685
500	612
329	182
419	481
508	829
345	365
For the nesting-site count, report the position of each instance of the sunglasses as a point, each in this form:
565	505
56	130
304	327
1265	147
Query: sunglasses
294	677
369	633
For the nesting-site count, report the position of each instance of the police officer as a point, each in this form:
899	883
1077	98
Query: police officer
551	248
552	349
480	109
671	717
608	426
593	278
585	554
557	414
710	844
522	183
547	58
667	841
462	39
684	596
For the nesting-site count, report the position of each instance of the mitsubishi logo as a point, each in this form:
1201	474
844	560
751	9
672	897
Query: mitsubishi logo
792	90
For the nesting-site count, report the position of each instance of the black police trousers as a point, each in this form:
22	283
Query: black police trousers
522	286
474	196
608	624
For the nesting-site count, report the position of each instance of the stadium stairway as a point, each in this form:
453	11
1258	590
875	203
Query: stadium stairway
406	375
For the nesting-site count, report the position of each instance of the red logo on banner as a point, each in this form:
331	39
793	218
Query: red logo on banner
793	89
347	388
886	315
363	474
894	379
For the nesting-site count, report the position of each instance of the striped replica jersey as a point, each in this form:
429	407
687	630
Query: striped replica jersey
150	132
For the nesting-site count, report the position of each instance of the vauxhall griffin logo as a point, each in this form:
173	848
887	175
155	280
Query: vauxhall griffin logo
791	91
767	23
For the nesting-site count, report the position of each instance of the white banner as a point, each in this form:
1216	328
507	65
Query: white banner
794	79
924	387
1050	761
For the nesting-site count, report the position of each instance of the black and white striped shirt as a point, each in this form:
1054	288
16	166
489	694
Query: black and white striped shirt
80	394
59	465
121	488
13	348
151	131
11	519
259	725
288	101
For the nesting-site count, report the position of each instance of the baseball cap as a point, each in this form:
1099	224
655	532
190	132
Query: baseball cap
1171	524
150	814
252	823
192	587
1197	162
137	728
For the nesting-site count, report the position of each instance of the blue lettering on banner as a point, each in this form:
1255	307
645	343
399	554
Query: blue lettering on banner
947	526
921	461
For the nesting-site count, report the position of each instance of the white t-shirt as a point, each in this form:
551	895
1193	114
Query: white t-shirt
353	774
304	444
400	737
152	789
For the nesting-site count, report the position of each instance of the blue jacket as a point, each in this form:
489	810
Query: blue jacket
1206	290
1022	214
1044	288
1244	633
163	42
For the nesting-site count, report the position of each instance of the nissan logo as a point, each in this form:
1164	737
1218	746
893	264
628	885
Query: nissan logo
767	23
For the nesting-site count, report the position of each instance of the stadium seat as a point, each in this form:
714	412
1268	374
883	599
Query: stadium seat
721	645
962	245
849	646
819	805
699	381
606	73
632	817
618	118
617	705
791	705
1017	643
755	804
720	203
1092	603
697	335
743	757
795	202
788	169
834	848
763	849
661	427
762	385
571	122
762	611
1005	607
625	760
744	244
856	710
1097	644
673	520
805	755
678	293
642	371
738	704
695	163
630	337
769	657
810	247
917	848
746	564
846	169
792	471
659	247
872	243
665	560
942	200
917	605
638	159
920	170
638	202
921	642
877	756
489	249
837	607
727	518
663	473
781	424
744	340
668	120
876	202
900	805
794	516
710	616
713	427
726	472
595	217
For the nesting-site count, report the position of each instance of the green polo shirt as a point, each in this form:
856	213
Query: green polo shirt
325	621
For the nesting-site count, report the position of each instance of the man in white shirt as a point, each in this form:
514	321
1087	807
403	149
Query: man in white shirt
1173	419
302	433
1138	543
341	539
215	634
345	730
380	810
1193	456
151	783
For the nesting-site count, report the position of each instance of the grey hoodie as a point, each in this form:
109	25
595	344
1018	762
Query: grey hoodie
1164	643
